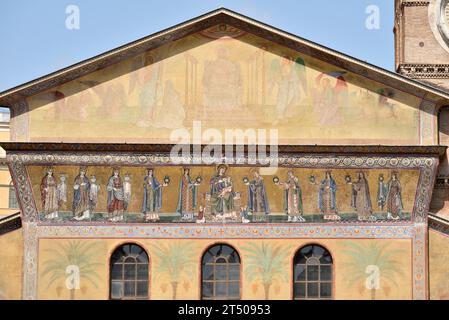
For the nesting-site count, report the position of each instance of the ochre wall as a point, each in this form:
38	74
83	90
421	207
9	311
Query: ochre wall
11	255
393	257
438	266
237	81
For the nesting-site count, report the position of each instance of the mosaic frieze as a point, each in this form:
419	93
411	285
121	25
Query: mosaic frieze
200	194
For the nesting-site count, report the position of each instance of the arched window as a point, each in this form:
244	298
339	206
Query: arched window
13	204
220	273
312	273
129	273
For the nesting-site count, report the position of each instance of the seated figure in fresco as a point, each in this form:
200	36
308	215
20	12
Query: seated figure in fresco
49	195
152	196
81	187
187	196
327	201
222	83
116	198
360	199
292	198
394	198
222	192
257	195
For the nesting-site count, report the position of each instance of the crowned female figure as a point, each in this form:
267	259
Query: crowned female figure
327	201
394	198
81	190
292	198
257	195
152	196
360	199
187	196
116	198
49	195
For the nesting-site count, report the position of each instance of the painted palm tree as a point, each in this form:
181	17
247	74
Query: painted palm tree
266	263
371	257
175	261
80	254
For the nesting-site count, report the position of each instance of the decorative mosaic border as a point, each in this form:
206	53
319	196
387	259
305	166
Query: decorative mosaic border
228	231
30	261
419	263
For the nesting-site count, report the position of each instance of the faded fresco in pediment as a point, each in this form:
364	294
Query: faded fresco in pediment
224	78
204	194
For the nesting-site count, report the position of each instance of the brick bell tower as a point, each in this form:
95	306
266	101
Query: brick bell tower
421	32
422	41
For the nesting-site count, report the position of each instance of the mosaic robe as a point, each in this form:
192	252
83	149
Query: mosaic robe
257	196
326	196
152	195
394	198
81	195
222	195
49	196
115	195
93	195
361	200
293	197
187	195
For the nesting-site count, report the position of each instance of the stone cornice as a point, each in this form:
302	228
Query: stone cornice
10	223
438	224
427	71
415	3
165	149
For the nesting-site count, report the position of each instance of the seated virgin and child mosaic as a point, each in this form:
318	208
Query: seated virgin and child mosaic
221	200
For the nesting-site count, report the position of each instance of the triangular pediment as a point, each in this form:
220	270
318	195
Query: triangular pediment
223	71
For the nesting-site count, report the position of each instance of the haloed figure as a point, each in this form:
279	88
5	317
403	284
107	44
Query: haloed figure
222	192
152	196
293	198
361	200
116	197
327	197
49	195
394	198
81	187
257	195
187	195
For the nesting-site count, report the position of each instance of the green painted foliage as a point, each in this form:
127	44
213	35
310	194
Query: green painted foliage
82	254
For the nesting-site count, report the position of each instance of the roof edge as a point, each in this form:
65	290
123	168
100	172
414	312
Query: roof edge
7	96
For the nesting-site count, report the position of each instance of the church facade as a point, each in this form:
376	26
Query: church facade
223	158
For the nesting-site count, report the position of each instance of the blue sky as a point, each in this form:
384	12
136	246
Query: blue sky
35	40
